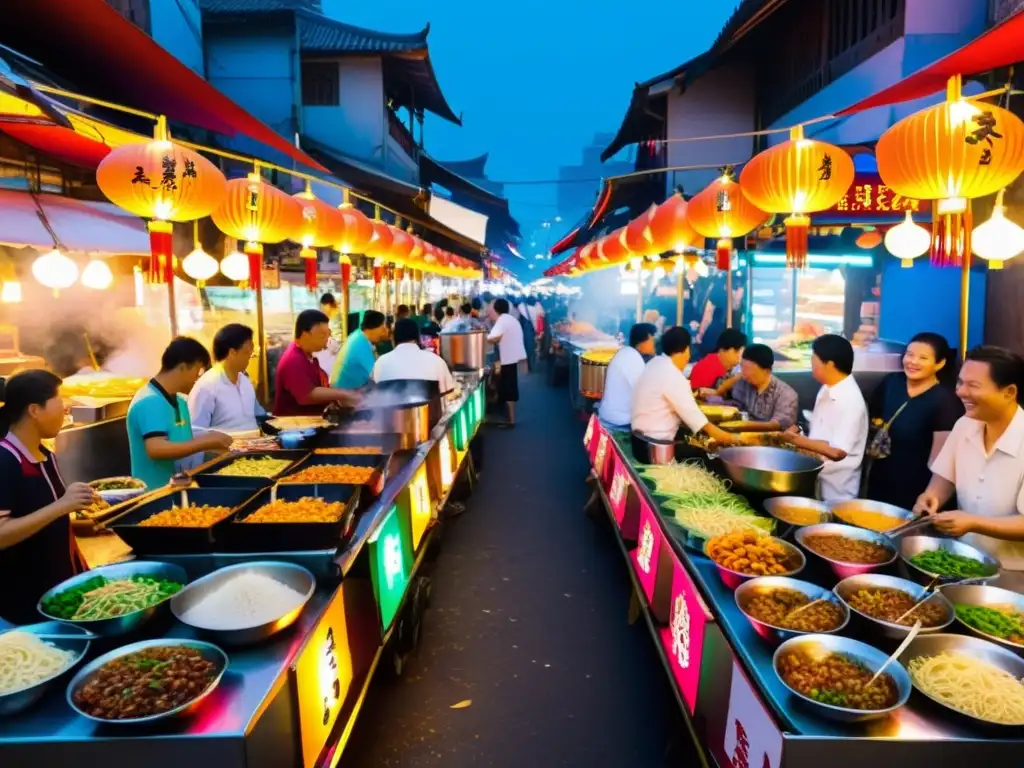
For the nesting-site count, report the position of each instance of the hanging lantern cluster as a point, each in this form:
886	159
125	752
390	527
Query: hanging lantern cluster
722	212
163	182
952	152
797	177
322	226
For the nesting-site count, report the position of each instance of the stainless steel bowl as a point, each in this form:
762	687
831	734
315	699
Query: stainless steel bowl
764	584
777	507
119	625
914	545
976	648
839	568
847	587
732	579
870	657
60	635
986	596
843	509
210	653
771	470
294	576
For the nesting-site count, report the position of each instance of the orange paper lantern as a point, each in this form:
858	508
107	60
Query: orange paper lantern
357	230
952	152
322	226
798	177
721	212
380	243
638	235
402	245
868	240
612	248
163	182
257	213
669	228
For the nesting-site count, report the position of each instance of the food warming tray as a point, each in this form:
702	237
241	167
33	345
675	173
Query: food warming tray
238	536
374	485
168	540
207	476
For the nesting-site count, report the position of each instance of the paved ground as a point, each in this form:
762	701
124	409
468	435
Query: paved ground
528	623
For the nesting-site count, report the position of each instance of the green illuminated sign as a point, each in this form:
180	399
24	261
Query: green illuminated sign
460	429
390	563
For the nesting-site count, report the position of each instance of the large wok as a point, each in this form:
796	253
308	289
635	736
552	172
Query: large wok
766	470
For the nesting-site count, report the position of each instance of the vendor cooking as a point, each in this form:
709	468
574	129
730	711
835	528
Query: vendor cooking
623	372
159	426
408	360
224	397
982	461
37	547
663	399
355	362
760	393
301	385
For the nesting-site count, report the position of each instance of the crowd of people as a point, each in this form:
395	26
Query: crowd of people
930	438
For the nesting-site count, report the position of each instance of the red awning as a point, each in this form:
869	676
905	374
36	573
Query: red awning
63	144
93	46
1001	46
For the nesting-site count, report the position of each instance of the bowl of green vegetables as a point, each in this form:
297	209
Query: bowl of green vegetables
115	599
925	558
990	612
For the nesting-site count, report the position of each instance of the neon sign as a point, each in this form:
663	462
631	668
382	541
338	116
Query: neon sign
390	562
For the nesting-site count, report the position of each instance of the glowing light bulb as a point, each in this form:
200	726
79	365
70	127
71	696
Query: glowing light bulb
97	275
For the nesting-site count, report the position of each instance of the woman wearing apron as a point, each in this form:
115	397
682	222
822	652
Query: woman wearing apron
37	547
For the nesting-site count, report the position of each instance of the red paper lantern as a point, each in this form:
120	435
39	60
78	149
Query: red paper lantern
357	230
322	226
380	243
612	248
638	233
670	230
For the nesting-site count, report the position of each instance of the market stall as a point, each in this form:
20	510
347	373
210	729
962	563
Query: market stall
282	695
721	664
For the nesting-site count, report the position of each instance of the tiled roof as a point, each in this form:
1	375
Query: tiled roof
322	34
473	168
256	6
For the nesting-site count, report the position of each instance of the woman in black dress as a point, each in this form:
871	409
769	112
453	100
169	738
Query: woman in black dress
920	406
37	548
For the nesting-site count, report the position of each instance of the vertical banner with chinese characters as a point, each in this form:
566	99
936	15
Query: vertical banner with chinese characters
390	563
322	675
648	550
620	485
683	638
752	739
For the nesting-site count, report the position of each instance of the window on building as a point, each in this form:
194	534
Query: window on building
320	84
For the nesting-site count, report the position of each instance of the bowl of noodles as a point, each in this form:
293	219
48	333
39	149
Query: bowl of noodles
971	677
30	664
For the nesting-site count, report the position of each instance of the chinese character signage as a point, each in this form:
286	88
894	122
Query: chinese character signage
683	638
323	674
648	549
390	563
869	198
594	430
752	739
421	510
589	434
602	454
617	494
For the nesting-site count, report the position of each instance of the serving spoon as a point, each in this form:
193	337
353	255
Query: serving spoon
895	654
934	586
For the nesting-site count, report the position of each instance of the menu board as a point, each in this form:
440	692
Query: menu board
421	509
751	738
322	673
648	549
390	564
618	492
683	638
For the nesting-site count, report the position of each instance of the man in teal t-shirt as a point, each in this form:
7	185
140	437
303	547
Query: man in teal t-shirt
355	362
159	428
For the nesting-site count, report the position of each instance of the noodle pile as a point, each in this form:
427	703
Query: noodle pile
973	687
680	479
247	600
25	660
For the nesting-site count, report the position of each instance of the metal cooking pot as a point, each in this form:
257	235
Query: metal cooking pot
464	351
771	470
647	450
409	420
592	376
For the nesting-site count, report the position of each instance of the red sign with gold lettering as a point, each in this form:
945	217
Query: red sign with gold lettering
869	197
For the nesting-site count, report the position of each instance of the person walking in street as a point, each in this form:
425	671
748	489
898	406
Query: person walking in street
507	333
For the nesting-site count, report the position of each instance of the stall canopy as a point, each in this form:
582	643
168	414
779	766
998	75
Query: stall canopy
1001	46
90	44
81	226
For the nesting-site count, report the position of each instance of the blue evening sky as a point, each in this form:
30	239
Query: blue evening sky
535	79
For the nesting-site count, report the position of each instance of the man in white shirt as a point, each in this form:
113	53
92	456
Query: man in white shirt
983	462
623	372
507	333
223	398
839	424
662	397
409	361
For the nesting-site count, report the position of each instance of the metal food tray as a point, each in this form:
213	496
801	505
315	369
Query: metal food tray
238	536
207	477
378	463
172	540
339	438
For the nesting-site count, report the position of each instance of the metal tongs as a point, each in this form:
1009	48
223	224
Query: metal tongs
899	530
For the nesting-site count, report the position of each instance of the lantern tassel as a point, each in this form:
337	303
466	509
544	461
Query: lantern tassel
308	256
161	268
346	271
797	228
723	253
255	253
951	239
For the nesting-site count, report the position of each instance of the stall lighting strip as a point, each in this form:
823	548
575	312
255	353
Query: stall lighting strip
848	259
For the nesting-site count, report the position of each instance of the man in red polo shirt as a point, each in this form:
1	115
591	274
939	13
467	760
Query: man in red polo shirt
301	387
712	372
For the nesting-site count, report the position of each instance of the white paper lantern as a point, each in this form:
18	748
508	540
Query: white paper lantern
235	267
55	270
907	240
199	265
97	275
998	239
